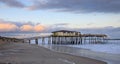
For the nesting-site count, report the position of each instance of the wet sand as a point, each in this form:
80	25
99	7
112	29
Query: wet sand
24	53
107	57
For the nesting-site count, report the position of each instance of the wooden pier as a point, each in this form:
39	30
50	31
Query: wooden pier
70	37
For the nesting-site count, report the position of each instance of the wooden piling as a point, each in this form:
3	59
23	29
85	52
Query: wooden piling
43	40
36	41
49	40
29	41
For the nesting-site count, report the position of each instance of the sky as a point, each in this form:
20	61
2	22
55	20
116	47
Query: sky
50	15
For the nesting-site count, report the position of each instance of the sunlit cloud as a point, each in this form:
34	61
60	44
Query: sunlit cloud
7	27
39	28
27	28
30	28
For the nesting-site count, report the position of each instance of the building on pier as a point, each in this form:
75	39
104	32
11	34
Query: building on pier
66	37
66	33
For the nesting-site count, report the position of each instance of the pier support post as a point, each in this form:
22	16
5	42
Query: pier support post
36	41
81	40
84	40
29	41
61	40
43	40
49	40
76	40
52	40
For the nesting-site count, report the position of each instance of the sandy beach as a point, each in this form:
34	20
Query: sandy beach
24	53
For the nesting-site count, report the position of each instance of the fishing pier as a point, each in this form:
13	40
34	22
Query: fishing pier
70	37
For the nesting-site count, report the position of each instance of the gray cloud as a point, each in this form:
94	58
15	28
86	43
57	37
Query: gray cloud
78	6
112	32
13	3
61	24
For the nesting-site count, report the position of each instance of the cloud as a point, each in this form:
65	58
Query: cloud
13	3
39	28
61	24
18	23
10	26
7	27
112	32
27	28
78	6
31	28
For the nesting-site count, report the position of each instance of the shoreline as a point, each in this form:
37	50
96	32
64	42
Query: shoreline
106	57
24	53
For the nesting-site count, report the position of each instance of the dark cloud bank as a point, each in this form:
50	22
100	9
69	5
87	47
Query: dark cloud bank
80	5
77	6
13	3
